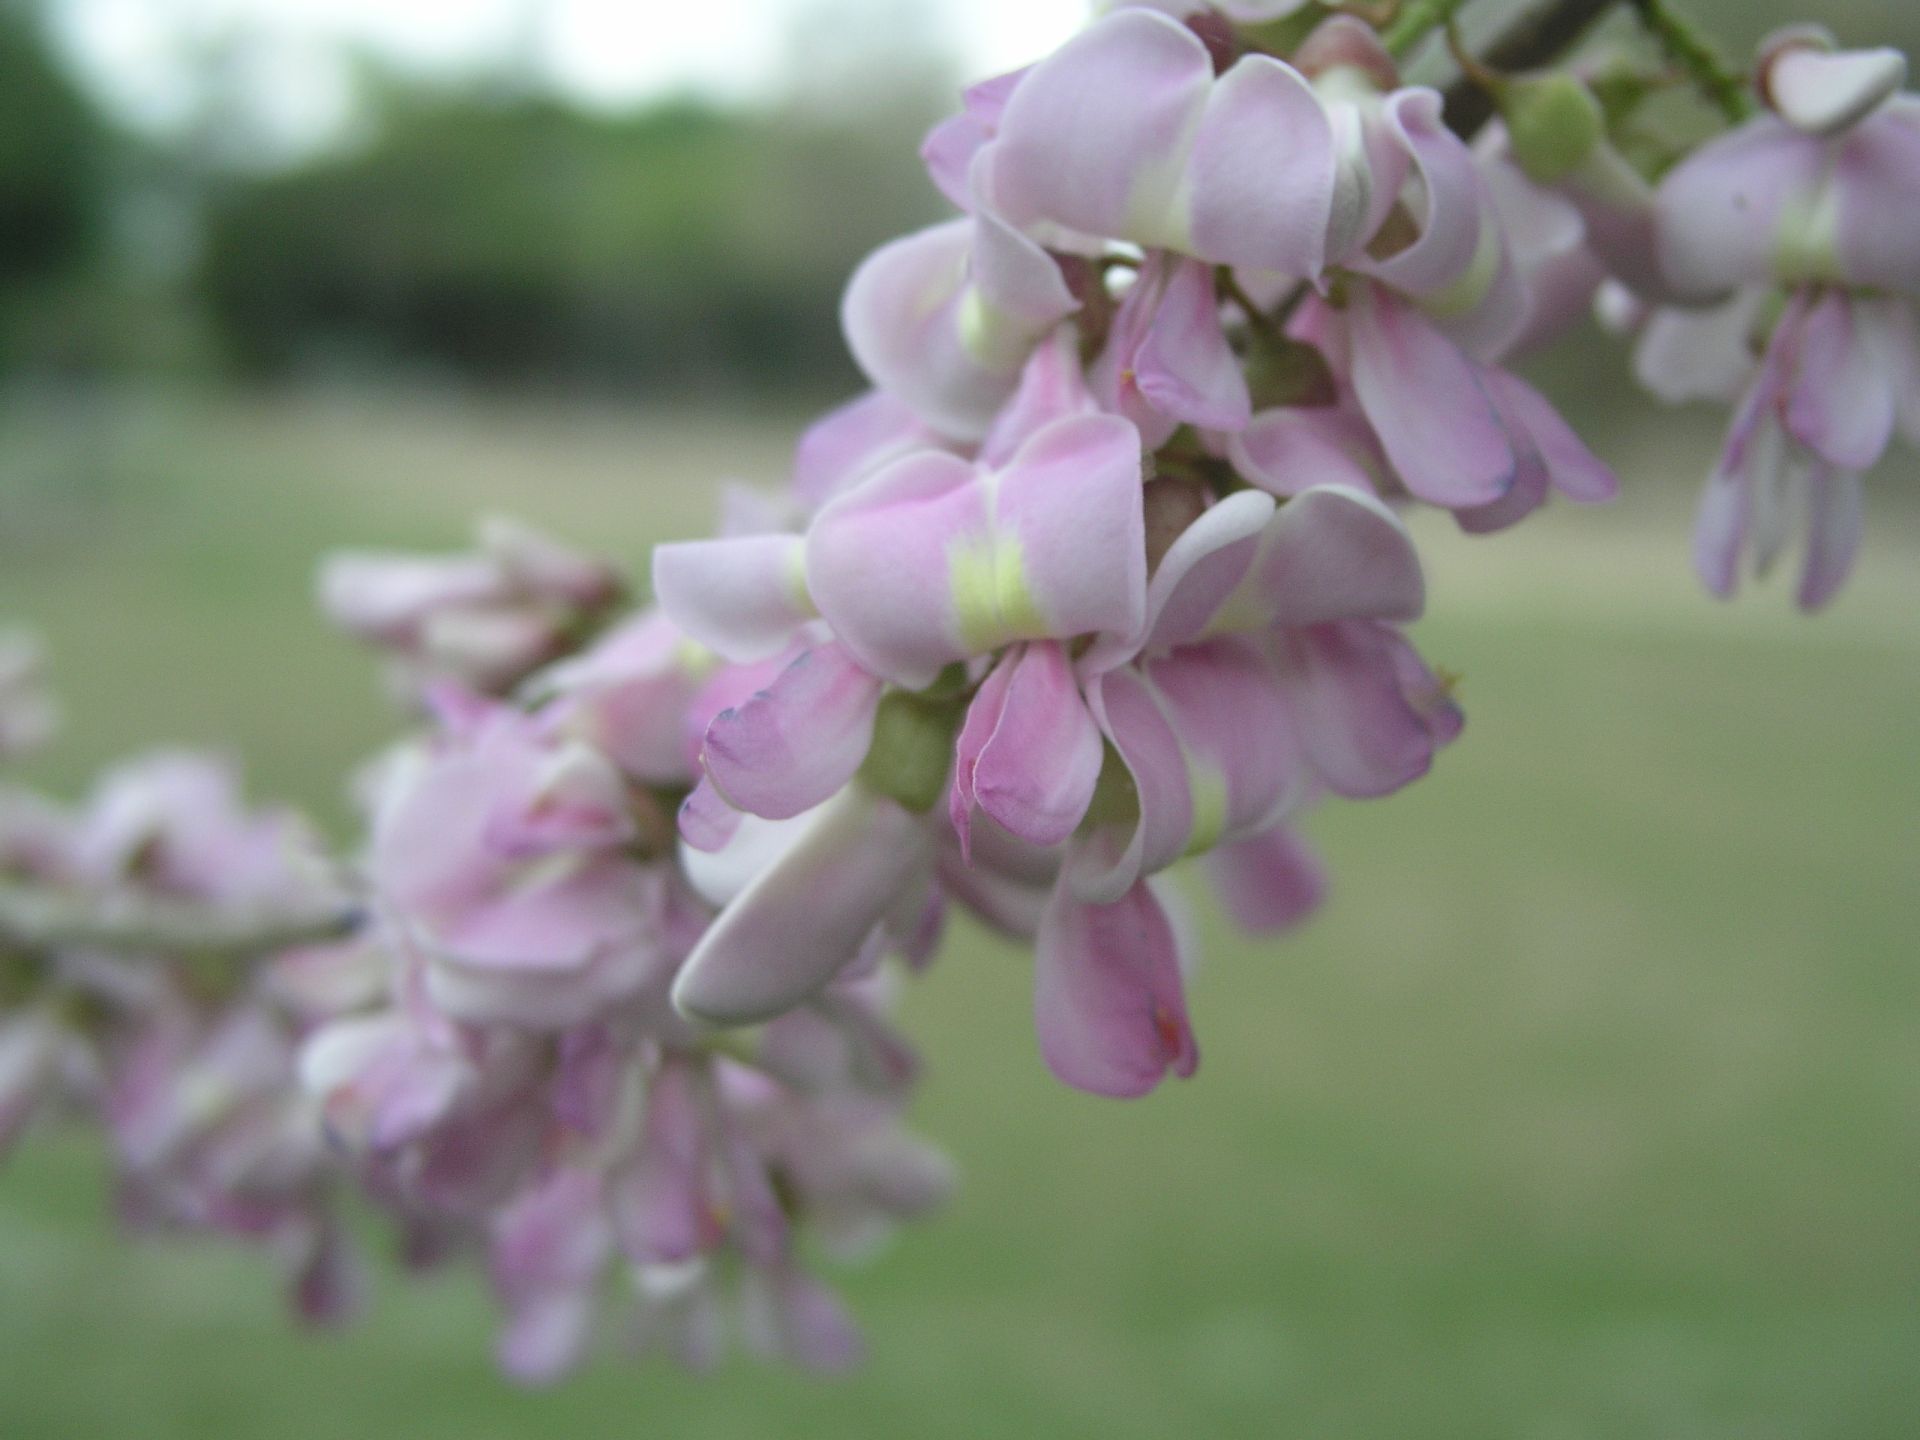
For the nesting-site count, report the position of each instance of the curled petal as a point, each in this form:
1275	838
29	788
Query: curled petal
791	746
1185	368
1370	715
1029	754
1823	92
805	916
1108	1001
1330	553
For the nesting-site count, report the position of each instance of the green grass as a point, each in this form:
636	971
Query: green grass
1587	1109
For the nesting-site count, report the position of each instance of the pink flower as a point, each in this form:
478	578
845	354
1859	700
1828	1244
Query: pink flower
1819	196
1125	133
484	620
501	853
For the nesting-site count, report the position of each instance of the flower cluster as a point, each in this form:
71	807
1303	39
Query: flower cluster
1108	570
138	987
1797	238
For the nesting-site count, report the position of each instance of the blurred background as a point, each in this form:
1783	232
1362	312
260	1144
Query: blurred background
1591	1107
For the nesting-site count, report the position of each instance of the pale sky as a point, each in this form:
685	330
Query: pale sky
607	51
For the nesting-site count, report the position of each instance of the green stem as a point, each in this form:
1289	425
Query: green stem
1416	20
1684	43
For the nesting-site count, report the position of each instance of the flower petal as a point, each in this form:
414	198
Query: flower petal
1270	882
1426	401
1108	1001
742	598
791	746
805	917
1036	769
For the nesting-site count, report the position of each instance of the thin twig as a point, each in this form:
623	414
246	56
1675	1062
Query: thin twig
42	918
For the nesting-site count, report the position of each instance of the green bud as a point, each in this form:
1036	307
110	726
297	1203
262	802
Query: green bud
1553	124
912	750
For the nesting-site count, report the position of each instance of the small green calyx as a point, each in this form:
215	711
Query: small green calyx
1116	799
1282	371
912	751
1554	124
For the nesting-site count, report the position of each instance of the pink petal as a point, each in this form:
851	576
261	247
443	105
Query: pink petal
1095	135
902	315
1834	530
1289	450
662	1208
1196	575
1185	368
1105	862
1108	1002
1877	179
1450	229
1840	403
1722	207
1034	771
1428	404
1270	882
1052	387
843	447
742	598
1243	759
1551	456
1331	553
1259	186
792	745
1362	730
951	146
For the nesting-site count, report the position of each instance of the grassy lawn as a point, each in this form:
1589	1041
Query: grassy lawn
1591	1107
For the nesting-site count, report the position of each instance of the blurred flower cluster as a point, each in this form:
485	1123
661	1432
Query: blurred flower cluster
1108	570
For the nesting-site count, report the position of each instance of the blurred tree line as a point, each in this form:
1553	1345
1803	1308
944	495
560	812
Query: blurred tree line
484	232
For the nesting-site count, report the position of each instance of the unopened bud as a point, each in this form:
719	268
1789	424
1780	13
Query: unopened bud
1554	124
912	751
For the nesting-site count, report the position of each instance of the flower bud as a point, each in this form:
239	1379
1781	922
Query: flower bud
1554	124
912	750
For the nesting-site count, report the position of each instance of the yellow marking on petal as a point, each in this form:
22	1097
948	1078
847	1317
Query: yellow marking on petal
694	658
992	603
1807	246
1464	295
798	595
996	340
1209	790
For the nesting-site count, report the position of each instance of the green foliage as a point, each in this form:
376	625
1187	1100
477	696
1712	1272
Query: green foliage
51	160
515	238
